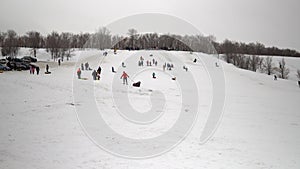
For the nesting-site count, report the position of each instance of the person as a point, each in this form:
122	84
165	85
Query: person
142	60
82	68
32	67
185	68
299	83
47	68
195	60
124	76
98	76
123	64
58	62
153	75
275	77
94	74
79	73
113	69
37	70
217	65
87	66
99	70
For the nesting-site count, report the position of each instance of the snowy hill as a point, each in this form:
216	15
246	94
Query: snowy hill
39	126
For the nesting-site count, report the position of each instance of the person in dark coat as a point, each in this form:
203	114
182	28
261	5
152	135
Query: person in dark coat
153	75
87	66
94	74
47	68
82	68
58	62
37	70
99	70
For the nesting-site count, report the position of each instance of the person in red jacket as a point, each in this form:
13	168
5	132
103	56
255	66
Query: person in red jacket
79	73
124	76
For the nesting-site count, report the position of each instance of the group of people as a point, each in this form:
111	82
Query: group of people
95	74
86	66
33	68
168	66
148	62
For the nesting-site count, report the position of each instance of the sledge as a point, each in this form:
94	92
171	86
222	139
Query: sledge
84	78
47	72
173	78
137	84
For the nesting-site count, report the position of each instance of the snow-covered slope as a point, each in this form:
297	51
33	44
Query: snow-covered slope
39	126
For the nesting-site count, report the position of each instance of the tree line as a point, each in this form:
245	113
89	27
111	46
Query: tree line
61	44
231	47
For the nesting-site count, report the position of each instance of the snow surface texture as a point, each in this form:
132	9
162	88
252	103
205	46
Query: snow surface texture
39	126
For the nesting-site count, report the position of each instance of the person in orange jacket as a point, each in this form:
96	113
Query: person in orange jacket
79	73
124	76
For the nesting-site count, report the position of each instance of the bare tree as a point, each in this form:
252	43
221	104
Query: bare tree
254	62
53	44
65	45
102	38
132	34
268	65
2	37
34	40
10	44
283	70
298	73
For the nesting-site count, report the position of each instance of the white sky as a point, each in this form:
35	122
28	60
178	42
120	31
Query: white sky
268	21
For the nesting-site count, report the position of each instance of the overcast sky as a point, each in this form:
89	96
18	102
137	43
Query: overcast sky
268	21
